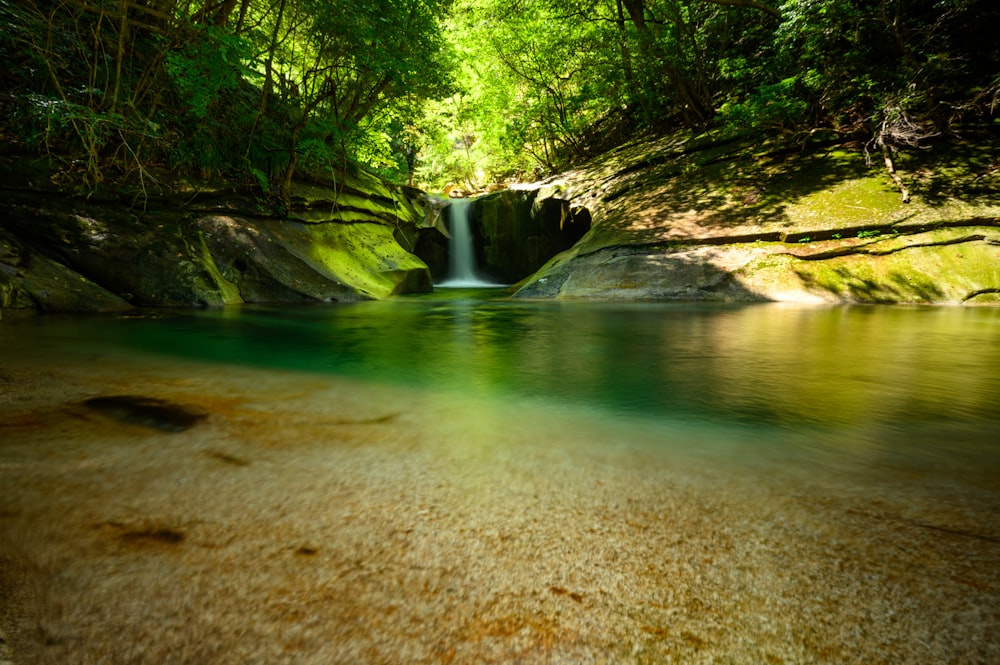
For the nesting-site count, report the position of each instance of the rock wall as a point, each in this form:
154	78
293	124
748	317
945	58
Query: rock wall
339	242
730	219
517	232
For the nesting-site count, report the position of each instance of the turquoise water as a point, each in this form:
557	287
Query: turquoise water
821	484
910	373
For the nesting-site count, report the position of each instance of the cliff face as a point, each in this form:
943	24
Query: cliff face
705	218
340	241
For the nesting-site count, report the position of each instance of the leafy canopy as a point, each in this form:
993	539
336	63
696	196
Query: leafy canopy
472	91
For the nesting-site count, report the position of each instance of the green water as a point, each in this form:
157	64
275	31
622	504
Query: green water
817	483
893	373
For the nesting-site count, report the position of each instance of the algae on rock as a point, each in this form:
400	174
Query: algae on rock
340	241
709	218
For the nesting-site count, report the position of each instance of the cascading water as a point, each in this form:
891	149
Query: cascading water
461	251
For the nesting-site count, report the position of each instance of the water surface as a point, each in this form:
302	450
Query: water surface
792	367
546	481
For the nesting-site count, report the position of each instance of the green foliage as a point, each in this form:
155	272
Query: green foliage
536	77
773	105
472	91
206	67
262	180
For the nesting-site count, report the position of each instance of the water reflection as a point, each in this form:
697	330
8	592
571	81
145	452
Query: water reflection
766	365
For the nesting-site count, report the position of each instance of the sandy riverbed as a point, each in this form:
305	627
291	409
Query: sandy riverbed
314	520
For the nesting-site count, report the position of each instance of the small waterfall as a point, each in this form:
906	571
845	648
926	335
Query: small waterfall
461	250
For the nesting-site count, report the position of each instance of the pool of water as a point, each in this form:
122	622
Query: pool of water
537	481
770	365
914	386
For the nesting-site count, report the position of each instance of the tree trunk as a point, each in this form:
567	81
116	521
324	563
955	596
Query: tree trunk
692	108
268	87
626	54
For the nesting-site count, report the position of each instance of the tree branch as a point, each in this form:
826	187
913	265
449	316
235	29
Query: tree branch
751	4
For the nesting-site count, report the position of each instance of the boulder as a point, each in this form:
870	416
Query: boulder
724	218
339	242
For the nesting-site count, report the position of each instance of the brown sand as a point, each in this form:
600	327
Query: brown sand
311	520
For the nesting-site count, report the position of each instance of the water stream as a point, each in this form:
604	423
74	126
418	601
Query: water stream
462	271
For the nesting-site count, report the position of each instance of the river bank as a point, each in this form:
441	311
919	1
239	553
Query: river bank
681	217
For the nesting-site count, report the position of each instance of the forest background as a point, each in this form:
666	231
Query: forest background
471	92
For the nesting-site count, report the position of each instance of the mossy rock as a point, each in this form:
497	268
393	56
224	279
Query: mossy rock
944	266
205	244
710	217
365	257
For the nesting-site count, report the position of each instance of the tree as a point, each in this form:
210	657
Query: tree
221	86
352	60
472	90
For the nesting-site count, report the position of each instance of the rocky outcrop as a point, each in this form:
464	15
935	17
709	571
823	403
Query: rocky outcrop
707	218
30	280
678	218
339	241
517	232
513	233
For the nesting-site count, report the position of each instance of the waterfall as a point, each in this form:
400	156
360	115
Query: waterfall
461	250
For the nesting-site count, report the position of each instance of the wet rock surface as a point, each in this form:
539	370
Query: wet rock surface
60	252
726	219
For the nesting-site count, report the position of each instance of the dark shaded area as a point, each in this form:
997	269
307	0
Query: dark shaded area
148	412
968	170
153	535
431	247
910	287
140	535
515	234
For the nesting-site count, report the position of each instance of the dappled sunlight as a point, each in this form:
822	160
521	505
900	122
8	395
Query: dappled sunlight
735	195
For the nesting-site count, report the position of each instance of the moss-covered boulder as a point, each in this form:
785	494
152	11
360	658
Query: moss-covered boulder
339	241
731	219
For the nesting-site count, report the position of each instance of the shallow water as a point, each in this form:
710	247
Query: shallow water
568	481
899	372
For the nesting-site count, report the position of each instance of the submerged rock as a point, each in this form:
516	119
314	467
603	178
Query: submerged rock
146	412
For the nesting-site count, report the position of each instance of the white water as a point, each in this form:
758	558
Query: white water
461	251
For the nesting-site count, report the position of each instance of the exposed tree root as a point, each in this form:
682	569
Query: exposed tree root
891	168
